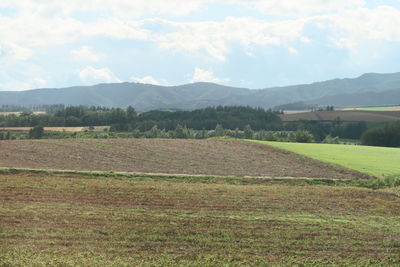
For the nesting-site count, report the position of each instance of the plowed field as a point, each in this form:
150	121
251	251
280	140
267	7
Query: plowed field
192	157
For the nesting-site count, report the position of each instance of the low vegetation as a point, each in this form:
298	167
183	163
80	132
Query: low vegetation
78	220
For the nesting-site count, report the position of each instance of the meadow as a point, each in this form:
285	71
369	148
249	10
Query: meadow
81	220
376	161
387	108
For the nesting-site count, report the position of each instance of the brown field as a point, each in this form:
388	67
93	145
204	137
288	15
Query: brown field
73	220
345	115
58	129
192	157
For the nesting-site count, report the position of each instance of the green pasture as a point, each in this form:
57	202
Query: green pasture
376	108
377	161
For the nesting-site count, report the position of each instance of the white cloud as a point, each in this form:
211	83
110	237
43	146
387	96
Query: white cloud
201	75
90	75
123	8
40	82
214	37
301	7
15	52
305	40
15	85
146	80
138	8
85	54
293	50
354	28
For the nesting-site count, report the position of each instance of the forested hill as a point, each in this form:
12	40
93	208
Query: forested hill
368	89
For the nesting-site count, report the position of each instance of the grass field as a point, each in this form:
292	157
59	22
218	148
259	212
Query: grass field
193	157
377	161
392	108
76	220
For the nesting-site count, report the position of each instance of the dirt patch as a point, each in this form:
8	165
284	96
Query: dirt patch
192	157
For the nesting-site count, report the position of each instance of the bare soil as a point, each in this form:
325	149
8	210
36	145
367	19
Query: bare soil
191	157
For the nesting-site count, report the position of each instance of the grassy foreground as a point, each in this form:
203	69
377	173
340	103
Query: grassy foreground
377	161
77	220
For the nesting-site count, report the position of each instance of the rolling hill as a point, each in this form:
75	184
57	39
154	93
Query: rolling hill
368	89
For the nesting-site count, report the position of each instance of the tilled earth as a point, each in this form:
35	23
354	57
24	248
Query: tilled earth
52	220
162	156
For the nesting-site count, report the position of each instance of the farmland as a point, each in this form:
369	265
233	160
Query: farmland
68	220
192	157
59	129
345	115
190	203
377	161
390	108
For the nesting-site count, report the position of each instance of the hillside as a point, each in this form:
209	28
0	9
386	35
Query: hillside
180	156
368	89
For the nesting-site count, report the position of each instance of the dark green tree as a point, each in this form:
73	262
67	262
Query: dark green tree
36	132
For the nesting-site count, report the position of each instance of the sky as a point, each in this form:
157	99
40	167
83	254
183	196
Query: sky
242	43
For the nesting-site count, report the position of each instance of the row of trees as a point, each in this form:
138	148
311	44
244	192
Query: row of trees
207	119
180	132
129	119
388	136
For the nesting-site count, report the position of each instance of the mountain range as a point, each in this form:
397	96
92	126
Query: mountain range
367	90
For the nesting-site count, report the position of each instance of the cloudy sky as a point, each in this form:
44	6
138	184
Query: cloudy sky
244	43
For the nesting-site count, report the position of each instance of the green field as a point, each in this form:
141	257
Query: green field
81	220
377	161
376	108
379	108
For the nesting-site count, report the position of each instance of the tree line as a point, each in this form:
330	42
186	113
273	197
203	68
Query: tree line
234	118
128	119
388	135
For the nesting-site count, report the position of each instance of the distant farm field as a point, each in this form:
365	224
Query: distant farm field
345	115
192	157
59	129
377	161
74	220
393	108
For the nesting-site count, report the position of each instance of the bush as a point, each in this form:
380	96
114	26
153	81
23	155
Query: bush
304	137
331	140
36	132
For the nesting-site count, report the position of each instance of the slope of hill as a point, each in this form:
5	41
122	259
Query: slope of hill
368	89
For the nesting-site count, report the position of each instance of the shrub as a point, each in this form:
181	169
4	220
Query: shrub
36	132
304	136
